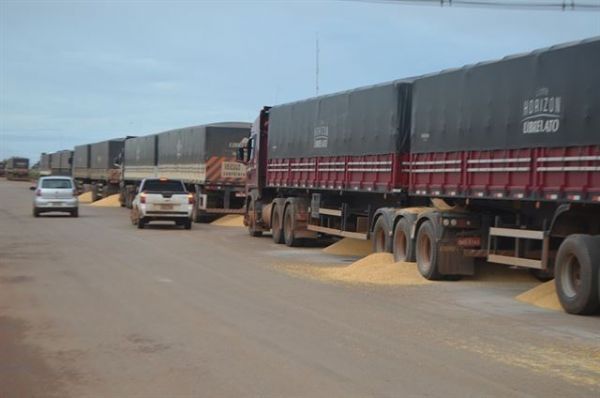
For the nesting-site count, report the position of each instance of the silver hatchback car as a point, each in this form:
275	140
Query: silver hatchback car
55	194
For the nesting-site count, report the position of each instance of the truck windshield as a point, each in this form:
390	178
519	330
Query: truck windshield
56	183
163	186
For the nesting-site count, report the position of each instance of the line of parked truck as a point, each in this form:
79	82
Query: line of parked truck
202	157
15	168
498	161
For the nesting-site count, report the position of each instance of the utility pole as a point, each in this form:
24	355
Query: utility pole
317	64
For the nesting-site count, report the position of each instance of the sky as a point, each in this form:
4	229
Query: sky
80	72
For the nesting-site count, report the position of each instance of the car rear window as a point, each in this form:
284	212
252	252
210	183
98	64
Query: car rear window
163	186
56	183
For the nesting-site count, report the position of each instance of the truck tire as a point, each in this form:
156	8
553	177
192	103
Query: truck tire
542	275
130	198
195	215
95	195
252	230
402	245
75	213
576	274
187	224
289	227
276	225
427	252
141	223
380	237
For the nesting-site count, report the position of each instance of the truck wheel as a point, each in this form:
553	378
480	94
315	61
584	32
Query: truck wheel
542	275
427	252
381	237
403	246
75	213
94	190
188	224
252	230
576	272
276	225
289	227
141	223
130	196
195	216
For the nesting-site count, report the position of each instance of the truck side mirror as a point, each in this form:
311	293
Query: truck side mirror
249	148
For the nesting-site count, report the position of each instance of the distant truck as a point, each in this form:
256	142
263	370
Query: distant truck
96	167
56	163
44	165
61	163
17	168
162	199
202	157
498	161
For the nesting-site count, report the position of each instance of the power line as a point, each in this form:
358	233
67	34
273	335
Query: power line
563	5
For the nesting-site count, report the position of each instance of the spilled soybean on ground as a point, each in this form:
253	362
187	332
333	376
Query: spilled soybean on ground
230	220
109	201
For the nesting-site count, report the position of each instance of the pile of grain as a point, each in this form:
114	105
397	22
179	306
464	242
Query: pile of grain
85	197
230	220
110	201
543	296
350	247
376	269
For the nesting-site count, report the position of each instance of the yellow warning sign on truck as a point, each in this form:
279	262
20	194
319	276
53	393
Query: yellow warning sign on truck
233	170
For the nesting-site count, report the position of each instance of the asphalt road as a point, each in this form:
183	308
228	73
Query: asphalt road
92	307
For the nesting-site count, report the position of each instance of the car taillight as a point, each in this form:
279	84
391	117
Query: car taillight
190	199
143	198
38	192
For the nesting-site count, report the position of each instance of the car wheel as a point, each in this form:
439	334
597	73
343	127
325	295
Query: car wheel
36	212
75	213
188	225
141	223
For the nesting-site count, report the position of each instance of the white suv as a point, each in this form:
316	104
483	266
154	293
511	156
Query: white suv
55	194
162	199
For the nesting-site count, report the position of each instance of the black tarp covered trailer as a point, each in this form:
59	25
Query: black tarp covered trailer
81	161
365	121
547	98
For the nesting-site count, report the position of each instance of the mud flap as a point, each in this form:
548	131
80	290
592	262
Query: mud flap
451	260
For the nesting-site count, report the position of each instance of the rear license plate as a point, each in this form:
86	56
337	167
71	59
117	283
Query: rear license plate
166	207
